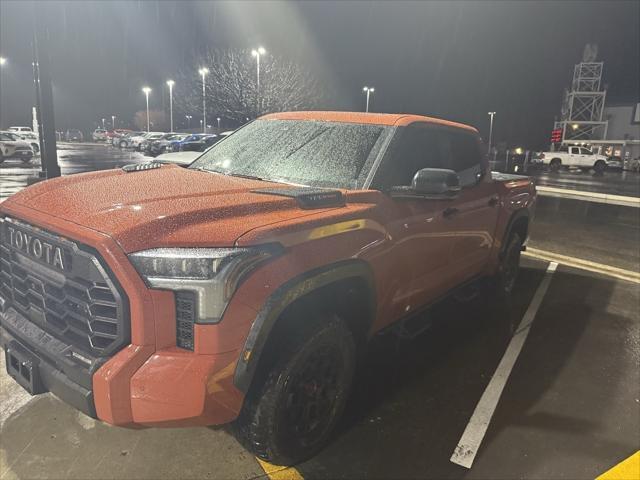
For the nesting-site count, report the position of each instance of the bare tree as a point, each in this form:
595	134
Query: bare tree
231	86
157	120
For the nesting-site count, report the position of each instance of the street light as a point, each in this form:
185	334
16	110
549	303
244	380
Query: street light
113	121
171	83
203	72
256	52
369	91
2	62
491	114
188	117
103	124
218	119
147	91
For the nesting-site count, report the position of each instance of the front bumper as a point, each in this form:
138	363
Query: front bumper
22	342
150	381
138	386
22	154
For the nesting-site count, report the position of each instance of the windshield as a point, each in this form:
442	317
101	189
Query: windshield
319	154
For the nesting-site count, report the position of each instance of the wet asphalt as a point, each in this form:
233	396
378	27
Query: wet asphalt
570	409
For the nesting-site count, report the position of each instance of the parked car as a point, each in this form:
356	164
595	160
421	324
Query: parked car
20	129
29	137
199	145
114	136
571	156
179	158
615	163
124	140
73	135
244	287
175	144
148	139
12	146
135	141
99	135
162	144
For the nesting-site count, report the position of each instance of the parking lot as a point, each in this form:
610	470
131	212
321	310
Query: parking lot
570	407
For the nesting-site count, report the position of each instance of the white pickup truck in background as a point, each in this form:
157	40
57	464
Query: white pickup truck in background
567	156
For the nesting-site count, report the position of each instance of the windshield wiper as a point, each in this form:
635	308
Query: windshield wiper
242	175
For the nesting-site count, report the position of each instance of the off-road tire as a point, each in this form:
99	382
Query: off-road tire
123	144
501	285
600	166
264	426
555	164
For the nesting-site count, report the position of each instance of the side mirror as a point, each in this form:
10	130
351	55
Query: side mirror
436	183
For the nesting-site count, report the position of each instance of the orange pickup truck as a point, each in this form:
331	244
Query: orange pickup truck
242	288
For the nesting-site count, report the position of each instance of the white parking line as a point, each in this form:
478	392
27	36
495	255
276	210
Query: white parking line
589	196
622	274
469	444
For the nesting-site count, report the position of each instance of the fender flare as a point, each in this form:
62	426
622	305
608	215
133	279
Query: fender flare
515	216
284	296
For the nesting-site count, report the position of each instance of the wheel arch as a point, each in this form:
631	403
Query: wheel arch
319	281
519	222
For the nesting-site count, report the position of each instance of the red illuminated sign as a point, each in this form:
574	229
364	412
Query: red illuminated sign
556	135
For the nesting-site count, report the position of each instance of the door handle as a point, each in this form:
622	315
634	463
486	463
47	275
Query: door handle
450	212
493	201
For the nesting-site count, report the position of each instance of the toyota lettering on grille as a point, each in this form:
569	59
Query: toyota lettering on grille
36	248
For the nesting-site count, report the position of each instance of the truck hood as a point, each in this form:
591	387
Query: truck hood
164	207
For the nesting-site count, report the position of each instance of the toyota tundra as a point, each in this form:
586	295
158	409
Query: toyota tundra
242	288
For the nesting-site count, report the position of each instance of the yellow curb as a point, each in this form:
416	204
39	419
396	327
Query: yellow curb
628	469
277	472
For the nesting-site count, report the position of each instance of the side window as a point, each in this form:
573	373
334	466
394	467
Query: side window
418	148
466	158
585	151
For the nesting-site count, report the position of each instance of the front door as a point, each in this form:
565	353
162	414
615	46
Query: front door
423	237
474	220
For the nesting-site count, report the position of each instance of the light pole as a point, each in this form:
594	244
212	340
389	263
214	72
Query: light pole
203	72
171	83
368	91
3	61
218	119
113	122
491	114
103	126
147	91
256	52
188	117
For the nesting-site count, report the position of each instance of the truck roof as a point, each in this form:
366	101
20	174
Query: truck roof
391	119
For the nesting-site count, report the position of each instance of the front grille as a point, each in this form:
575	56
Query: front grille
63	287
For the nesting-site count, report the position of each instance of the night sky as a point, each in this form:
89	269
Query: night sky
453	59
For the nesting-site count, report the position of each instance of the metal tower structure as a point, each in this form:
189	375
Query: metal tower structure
581	117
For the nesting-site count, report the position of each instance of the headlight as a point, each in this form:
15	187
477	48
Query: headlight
212	274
